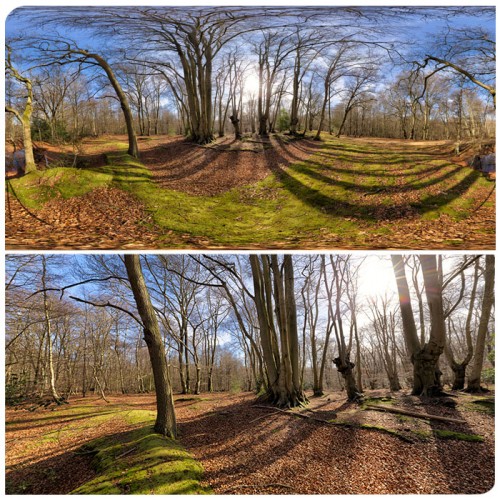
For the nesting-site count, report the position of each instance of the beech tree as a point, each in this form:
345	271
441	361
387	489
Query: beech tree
277	314
459	368
384	327
25	110
424	355
336	285
474	380
165	414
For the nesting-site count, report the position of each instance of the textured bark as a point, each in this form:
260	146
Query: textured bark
236	125
24	116
165	419
425	358
345	368
276	311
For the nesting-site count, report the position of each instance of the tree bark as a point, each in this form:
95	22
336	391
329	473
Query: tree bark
278	315
24	117
165	419
52	383
474	382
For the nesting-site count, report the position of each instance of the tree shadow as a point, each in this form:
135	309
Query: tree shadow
449	449
247	441
315	189
57	474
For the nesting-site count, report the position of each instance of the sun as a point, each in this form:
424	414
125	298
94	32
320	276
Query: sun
376	277
251	85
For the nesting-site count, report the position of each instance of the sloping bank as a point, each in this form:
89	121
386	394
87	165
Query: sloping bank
143	463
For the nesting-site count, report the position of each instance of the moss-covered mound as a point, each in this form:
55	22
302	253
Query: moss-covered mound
143	463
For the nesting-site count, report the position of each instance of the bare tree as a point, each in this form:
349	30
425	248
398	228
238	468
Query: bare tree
474	380
24	114
165	418
276	310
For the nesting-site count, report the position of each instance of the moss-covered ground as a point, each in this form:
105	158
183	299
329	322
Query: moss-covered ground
109	449
348	193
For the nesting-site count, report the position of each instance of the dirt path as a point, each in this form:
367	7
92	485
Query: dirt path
249	450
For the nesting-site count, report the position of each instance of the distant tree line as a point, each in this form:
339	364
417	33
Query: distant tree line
205	72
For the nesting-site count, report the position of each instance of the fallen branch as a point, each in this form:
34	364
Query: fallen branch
269	485
415	414
126	452
301	415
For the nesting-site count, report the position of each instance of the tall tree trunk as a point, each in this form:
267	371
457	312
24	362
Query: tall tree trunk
165	419
24	117
133	149
48	328
474	382
426	374
282	362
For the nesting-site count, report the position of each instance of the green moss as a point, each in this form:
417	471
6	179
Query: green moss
36	188
335	197
376	401
483	405
380	428
460	436
142	462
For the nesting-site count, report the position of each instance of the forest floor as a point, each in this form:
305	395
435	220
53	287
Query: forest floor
336	447
280	192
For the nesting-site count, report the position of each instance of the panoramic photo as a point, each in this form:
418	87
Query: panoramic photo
249	374
250	128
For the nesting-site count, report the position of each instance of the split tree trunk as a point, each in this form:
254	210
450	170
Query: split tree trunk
276	311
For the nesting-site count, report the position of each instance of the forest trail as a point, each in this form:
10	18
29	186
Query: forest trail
279	193
245	449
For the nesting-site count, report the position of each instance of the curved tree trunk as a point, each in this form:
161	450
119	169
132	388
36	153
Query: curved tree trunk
133	149
165	419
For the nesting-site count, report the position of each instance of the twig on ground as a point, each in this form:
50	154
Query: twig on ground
126	452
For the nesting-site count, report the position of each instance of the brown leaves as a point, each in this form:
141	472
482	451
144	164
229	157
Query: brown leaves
105	218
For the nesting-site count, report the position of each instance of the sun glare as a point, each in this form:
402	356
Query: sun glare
376	277
251	86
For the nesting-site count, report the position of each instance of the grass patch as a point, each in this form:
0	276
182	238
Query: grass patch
459	436
141	462
250	214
